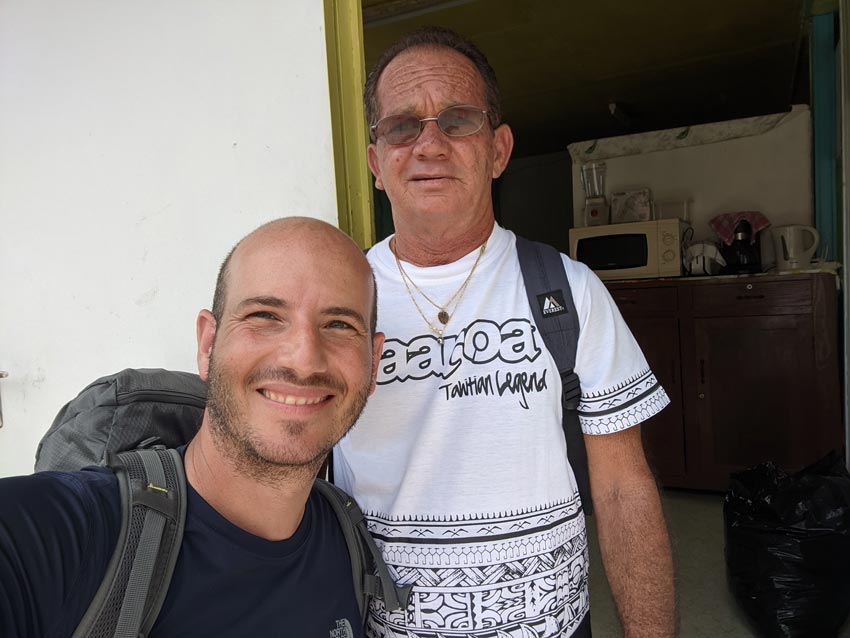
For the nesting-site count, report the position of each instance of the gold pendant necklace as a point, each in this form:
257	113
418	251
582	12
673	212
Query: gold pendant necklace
443	314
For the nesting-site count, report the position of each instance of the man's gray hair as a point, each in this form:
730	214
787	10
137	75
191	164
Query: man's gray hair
431	38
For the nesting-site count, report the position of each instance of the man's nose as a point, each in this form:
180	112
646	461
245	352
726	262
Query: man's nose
303	351
431	141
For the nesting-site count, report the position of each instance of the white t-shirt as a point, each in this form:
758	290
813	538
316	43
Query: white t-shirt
459	460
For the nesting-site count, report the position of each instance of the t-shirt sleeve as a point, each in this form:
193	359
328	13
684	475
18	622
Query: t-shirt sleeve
618	390
57	533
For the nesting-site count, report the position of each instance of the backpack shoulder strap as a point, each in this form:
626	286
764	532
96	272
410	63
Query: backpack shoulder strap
152	486
371	575
555	315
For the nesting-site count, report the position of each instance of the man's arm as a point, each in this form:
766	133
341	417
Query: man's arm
57	532
633	536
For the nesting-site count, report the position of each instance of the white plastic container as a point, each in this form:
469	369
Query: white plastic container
672	209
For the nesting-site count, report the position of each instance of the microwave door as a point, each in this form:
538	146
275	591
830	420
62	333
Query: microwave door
614	252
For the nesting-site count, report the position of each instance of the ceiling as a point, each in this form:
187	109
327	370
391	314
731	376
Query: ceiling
571	71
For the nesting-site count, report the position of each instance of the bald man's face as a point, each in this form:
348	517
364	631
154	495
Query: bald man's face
291	360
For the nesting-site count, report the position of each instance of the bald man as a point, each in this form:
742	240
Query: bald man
289	352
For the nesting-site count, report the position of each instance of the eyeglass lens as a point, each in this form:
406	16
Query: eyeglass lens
455	121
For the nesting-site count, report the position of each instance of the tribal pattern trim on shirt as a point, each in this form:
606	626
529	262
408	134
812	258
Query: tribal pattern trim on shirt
633	401
513	575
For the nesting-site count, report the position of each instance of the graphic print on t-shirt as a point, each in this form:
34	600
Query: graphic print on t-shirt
481	342
343	629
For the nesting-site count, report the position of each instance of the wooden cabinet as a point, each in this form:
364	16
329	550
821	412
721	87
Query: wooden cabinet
751	367
652	315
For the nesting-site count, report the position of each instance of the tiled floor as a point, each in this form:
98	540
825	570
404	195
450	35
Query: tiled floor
706	608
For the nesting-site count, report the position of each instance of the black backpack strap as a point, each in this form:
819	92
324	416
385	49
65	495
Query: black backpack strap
371	575
555	316
152	484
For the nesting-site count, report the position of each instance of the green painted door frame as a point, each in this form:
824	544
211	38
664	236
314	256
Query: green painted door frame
346	77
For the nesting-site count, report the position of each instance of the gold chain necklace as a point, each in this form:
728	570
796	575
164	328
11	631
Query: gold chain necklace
443	316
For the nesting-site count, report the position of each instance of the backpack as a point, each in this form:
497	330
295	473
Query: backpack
131	422
554	313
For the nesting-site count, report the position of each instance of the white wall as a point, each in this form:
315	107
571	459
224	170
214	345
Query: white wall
138	142
770	173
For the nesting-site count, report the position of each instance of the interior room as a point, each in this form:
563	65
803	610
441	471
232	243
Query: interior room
719	121
139	141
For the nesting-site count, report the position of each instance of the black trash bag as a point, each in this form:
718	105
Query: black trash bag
788	548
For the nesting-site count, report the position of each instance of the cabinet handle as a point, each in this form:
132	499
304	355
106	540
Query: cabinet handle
750	297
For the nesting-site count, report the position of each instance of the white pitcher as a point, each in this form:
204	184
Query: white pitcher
795	246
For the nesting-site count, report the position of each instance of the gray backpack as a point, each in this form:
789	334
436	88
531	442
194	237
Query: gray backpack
130	422
554	312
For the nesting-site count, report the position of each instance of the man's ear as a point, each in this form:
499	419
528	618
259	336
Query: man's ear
377	348
372	159
205	327
503	143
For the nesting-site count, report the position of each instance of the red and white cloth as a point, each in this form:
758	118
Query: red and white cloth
724	225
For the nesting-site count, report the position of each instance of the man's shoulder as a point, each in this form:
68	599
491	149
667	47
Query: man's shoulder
53	500
320	499
578	273
330	510
80	484
379	256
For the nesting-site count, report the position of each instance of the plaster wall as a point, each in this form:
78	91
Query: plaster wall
138	142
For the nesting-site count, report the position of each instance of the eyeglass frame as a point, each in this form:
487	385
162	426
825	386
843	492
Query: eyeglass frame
373	128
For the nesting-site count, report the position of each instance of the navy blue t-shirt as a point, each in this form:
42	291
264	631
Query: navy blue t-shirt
58	531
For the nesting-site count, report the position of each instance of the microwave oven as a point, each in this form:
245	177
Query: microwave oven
633	250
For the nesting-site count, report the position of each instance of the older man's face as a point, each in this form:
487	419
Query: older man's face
436	176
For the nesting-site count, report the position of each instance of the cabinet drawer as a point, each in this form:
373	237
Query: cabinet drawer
752	297
646	302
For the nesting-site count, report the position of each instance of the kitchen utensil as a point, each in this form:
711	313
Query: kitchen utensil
593	179
743	255
795	246
703	258
596	209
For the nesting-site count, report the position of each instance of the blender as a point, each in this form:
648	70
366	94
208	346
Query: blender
596	209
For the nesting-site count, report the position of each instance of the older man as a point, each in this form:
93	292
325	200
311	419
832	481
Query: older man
459	461
290	353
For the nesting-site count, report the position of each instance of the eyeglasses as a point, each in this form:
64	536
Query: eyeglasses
404	128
